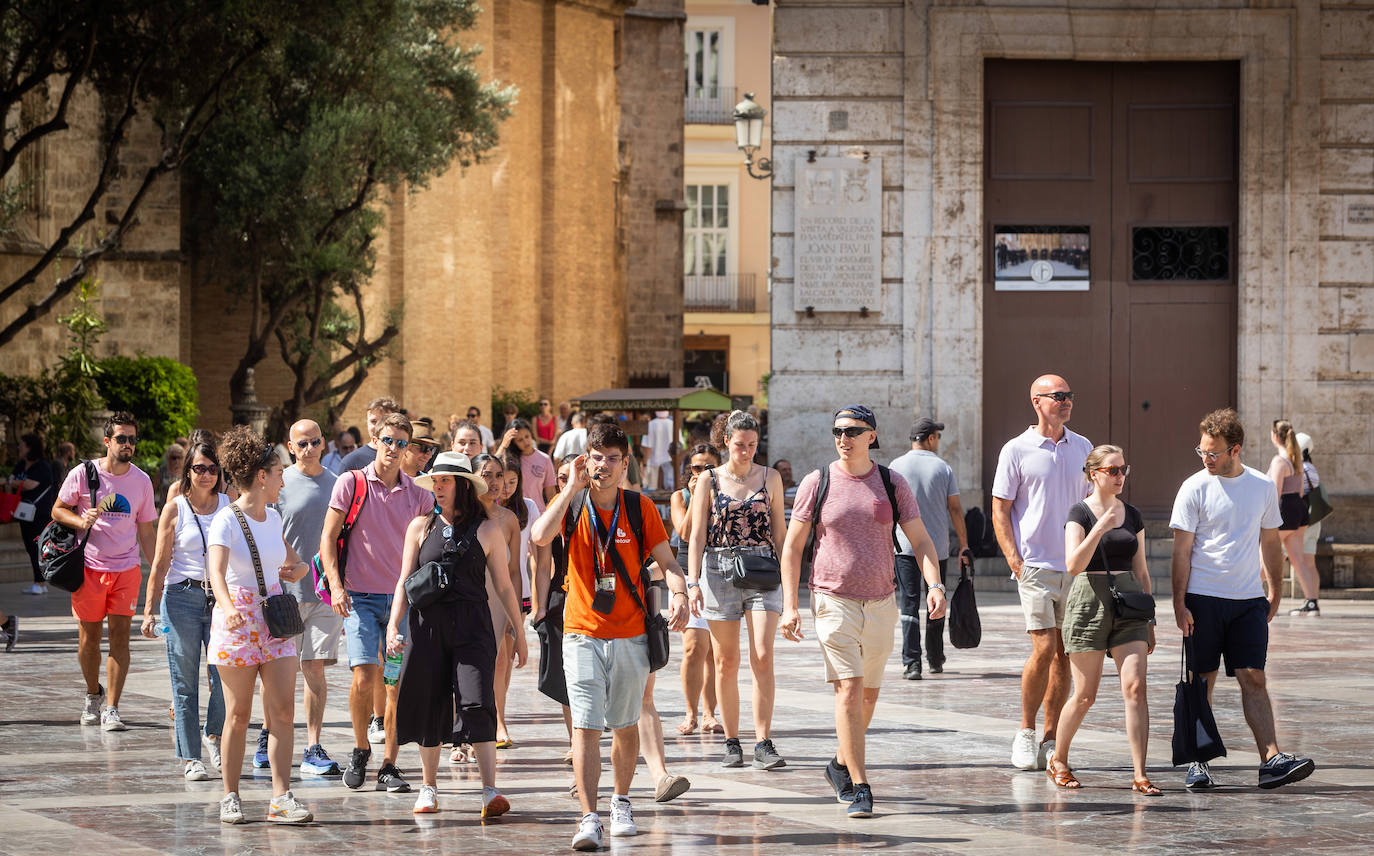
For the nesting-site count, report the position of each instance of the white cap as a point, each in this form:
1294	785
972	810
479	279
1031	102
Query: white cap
1305	442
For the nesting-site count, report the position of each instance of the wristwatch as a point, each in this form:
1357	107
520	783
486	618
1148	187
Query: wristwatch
691	584
938	586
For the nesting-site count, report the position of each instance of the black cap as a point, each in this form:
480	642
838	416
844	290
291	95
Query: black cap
861	413
924	427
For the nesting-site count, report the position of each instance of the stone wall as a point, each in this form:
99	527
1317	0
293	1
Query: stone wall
909	79
651	154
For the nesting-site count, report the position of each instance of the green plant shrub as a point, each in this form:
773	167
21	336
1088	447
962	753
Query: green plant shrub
160	392
524	400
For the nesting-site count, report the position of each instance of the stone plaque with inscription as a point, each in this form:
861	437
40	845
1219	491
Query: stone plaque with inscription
838	235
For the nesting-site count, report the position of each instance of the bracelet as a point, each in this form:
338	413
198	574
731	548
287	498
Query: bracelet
683	593
940	587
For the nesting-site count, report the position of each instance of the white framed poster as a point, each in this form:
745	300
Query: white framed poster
1040	258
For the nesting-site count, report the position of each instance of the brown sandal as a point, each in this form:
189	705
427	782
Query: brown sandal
1062	778
1142	786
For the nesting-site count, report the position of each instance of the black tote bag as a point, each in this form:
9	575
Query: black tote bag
965	628
1196	737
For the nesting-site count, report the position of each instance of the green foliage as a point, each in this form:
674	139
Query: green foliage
73	386
525	400
160	392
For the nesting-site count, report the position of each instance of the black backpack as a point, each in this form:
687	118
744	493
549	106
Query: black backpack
61	556
982	540
823	487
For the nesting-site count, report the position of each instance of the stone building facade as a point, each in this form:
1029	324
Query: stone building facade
905	82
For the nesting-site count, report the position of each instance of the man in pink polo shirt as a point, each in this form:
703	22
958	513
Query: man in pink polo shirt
363	592
123	519
853	585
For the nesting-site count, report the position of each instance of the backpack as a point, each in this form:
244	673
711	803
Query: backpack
61	557
823	487
982	540
355	507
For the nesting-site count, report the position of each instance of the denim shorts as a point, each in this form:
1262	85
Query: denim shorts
606	679
721	600
365	627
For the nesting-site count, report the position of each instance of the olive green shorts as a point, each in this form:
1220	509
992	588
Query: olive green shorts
1090	624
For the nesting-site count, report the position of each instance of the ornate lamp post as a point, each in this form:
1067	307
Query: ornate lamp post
749	135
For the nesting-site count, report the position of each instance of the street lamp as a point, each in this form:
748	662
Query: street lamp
749	135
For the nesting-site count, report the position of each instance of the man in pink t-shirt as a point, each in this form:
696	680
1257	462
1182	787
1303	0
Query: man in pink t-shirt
853	583
122	521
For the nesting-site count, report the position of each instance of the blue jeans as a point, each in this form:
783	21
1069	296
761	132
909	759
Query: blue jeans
187	611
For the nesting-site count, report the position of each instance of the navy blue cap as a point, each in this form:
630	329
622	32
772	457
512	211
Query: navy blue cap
861	413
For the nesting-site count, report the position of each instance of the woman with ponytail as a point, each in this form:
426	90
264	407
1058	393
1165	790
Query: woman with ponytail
1285	471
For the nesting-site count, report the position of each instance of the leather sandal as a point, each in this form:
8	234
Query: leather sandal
1063	777
1142	786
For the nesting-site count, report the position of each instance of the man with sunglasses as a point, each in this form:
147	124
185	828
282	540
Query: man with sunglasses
304	504
1039	478
123	521
378	409
362	594
1226	531
853	585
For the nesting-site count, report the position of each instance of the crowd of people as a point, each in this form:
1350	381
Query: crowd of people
425	557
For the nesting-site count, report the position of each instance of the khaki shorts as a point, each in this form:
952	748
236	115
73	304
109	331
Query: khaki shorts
1043	592
320	640
856	636
1090	622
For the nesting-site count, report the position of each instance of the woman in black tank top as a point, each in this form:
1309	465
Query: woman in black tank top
448	645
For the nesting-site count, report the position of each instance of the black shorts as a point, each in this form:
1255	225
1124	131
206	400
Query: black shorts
1236	630
1293	510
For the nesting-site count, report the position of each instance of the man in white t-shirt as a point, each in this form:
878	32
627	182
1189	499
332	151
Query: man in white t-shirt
1225	521
658	443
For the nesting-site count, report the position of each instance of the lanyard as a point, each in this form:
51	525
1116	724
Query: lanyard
601	544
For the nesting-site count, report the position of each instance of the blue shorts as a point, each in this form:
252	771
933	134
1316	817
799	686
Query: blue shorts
1236	630
365	627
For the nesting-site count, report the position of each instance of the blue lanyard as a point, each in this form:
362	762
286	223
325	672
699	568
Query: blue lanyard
602	544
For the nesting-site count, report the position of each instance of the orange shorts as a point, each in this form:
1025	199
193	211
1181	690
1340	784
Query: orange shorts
107	594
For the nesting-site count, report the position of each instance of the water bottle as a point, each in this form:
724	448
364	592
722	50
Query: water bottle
162	628
391	672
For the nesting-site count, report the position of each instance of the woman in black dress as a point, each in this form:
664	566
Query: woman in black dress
449	647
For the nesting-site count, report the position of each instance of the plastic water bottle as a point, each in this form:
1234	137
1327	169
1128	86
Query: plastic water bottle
391	672
162	628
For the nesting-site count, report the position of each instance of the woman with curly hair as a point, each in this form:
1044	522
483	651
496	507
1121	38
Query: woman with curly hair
245	541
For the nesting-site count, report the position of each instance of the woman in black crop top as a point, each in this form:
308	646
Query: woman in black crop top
1104	545
449	647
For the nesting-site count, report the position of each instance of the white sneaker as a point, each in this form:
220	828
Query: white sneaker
230	809
622	819
36	588
195	772
212	743
90	711
376	731
1043	756
1024	755
285	809
588	835
494	803
110	721
428	800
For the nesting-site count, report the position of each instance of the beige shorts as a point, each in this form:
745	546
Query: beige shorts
1043	593
323	626
856	636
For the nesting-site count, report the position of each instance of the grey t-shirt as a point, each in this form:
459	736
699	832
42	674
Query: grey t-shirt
933	482
303	503
358	459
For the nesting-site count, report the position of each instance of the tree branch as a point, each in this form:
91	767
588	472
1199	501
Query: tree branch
58	122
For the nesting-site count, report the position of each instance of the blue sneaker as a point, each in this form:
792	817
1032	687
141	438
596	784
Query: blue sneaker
317	763
260	757
1199	777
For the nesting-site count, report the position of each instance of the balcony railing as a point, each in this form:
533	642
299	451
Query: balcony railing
710	105
728	293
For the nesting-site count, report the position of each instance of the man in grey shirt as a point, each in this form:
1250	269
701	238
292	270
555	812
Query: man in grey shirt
304	501
937	495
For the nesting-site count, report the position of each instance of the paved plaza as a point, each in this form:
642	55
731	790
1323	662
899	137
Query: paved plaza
938	759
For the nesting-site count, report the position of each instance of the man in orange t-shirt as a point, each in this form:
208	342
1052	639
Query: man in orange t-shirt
605	650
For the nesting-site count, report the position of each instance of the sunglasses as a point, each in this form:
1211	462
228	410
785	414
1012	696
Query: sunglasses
1211	456
1061	396
1122	471
700	468
395	441
304	444
851	431
125	439
205	469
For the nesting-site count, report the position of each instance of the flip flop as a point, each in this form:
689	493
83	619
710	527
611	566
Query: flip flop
505	744
687	727
713	728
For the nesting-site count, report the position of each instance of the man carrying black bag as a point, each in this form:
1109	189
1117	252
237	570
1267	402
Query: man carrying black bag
1225	522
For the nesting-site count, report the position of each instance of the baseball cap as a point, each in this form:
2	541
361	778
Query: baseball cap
861	413
924	427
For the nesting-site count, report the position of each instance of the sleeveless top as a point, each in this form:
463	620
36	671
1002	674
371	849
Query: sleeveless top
676	540
467	566
190	547
532	513
1291	483
739	522
545	431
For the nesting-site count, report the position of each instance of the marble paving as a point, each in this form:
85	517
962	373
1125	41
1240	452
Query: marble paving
938	759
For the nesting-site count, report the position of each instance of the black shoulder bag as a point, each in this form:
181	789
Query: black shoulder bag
433	581
61	555
655	625
280	611
1126	605
747	571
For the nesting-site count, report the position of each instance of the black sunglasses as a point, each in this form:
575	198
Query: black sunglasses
851	431
205	469
301	444
700	468
1061	397
125	439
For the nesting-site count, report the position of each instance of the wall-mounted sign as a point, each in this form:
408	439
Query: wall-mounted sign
838	237
1040	258
1358	212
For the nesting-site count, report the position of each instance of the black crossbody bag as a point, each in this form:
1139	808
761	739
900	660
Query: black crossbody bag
1125	604
747	571
280	612
655	625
